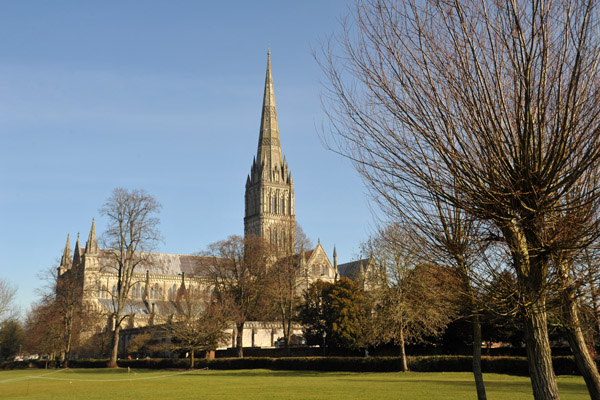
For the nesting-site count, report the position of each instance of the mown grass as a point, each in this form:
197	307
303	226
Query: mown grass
264	384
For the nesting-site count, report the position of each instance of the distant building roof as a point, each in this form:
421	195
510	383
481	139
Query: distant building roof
351	270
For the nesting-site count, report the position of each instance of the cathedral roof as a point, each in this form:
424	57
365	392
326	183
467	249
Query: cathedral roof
352	269
171	264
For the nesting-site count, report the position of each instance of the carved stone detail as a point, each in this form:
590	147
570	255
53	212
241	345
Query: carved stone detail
270	141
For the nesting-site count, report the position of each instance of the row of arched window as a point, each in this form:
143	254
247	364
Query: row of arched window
155	293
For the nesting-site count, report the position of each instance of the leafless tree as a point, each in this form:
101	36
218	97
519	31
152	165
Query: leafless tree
301	240
445	235
44	330
131	234
411	299
7	295
238	270
572	273
284	280
200	324
500	99
589	261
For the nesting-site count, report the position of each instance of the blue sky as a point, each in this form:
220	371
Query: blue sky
164	96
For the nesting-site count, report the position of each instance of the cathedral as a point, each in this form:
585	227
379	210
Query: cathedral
269	213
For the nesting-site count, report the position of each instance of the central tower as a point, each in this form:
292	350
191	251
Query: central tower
269	187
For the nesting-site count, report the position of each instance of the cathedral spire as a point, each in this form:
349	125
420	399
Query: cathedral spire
269	195
77	254
91	247
66	261
269	149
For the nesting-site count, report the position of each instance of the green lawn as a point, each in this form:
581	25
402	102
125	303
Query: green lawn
264	384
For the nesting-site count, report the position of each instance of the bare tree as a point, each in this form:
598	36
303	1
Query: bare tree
301	240
500	99
64	302
411	300
447	236
574	233
7	295
199	325
284	280
44	330
238	270
132	232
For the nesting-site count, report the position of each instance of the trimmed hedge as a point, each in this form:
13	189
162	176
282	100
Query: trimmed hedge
563	365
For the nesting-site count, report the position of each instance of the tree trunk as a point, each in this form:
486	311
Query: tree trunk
192	359
112	363
68	340
403	351
539	357
287	332
238	340
594	296
585	363
479	385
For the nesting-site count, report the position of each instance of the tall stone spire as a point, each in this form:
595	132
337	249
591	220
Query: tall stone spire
91	247
269	186
269	147
66	261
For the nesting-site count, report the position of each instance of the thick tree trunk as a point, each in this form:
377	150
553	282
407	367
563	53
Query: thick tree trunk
583	359
479	385
112	363
539	358
238	340
403	351
192	359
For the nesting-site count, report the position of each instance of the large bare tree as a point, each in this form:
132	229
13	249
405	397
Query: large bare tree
131	234
500	99
238	270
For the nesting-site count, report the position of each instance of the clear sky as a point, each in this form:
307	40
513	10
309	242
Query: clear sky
164	96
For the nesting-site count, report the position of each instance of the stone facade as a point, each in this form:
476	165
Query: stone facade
269	213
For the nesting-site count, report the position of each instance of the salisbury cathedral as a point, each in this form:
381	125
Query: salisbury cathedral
269	213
